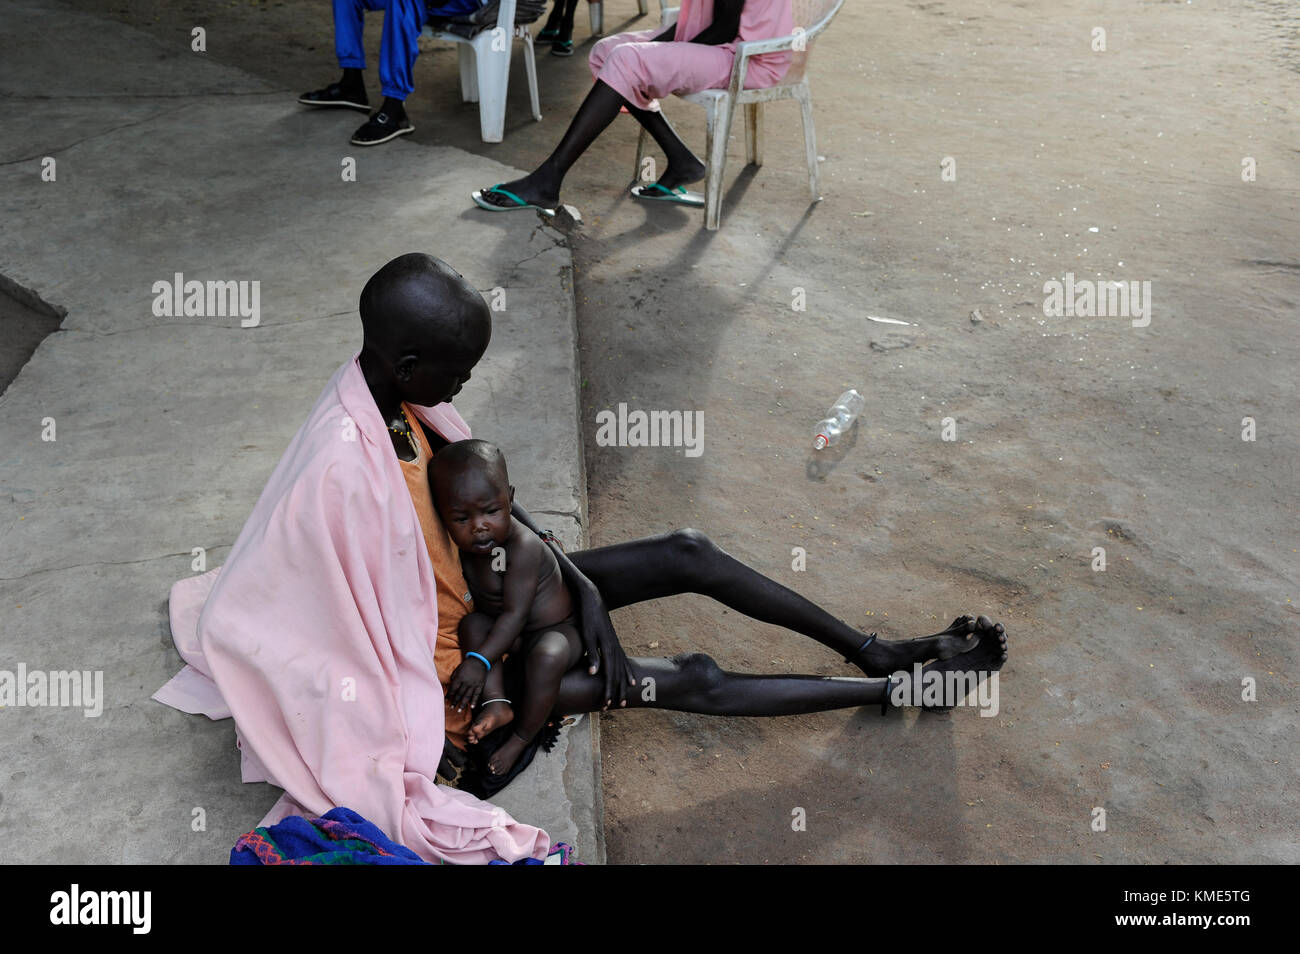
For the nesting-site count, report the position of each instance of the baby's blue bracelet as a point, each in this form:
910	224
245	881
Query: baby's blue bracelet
481	658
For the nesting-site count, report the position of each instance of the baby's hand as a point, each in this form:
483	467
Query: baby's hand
466	683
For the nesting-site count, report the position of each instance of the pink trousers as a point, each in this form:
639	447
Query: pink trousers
643	72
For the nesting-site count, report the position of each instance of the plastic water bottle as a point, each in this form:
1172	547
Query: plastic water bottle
839	419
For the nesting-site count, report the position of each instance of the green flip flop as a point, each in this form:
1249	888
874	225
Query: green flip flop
654	192
482	203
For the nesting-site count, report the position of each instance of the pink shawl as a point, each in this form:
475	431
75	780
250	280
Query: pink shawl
318	633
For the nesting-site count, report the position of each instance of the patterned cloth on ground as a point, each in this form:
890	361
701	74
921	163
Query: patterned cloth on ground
342	837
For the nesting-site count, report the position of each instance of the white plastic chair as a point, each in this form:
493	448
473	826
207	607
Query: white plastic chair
598	15
810	18
485	69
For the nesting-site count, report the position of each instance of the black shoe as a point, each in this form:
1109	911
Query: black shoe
562	47
380	128
336	95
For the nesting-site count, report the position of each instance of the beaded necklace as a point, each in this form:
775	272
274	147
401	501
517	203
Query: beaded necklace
407	433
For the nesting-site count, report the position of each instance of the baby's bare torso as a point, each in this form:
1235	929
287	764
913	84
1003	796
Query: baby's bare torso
551	601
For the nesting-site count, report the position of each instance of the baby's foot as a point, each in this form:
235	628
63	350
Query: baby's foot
504	758
491	716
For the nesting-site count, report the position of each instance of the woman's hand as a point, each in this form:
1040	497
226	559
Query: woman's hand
466	683
725	26
603	648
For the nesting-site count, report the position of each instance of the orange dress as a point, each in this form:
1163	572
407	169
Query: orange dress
454	599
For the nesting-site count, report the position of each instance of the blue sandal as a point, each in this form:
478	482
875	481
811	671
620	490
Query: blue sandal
482	203
655	192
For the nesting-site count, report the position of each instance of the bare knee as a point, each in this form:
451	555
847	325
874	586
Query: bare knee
549	657
695	552
691	544
701	676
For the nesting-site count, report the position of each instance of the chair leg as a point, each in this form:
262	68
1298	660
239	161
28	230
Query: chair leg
466	58
754	133
640	155
719	130
530	66
597	18
804	95
493	80
642	7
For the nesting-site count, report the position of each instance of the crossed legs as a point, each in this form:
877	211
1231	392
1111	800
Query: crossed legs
686	561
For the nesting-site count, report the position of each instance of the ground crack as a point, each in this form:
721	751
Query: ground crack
99	135
77	566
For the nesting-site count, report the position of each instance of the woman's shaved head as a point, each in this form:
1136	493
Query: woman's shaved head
426	326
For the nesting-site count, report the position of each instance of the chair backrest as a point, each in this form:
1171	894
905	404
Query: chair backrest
505	19
812	16
502	14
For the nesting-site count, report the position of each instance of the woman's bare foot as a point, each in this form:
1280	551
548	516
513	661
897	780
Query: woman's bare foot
980	661
534	188
884	656
504	758
491	716
683	172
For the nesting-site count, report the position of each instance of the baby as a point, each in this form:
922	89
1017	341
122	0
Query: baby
521	603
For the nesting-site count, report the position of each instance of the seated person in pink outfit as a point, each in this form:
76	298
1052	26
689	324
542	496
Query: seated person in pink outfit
634	70
522	605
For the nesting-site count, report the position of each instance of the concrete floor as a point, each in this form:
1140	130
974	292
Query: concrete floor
165	428
1124	689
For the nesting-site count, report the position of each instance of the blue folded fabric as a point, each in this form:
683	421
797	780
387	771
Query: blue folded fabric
342	837
339	837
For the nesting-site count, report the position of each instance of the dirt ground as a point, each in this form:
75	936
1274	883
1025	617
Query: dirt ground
1124	689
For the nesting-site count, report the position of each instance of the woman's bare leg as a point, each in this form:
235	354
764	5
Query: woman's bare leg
683	166
686	561
598	110
694	683
542	185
